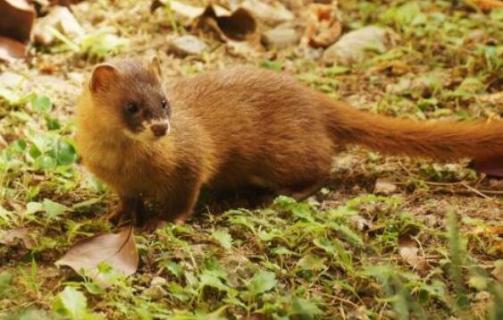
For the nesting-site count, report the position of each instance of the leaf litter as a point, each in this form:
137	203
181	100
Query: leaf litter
118	250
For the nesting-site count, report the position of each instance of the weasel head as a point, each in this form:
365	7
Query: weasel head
129	94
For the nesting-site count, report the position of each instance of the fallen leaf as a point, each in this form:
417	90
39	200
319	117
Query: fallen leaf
408	250
236	26
60	19
12	236
228	25
118	250
323	26
17	19
11	50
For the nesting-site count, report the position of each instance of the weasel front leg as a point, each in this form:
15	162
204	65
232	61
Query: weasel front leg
181	204
130	207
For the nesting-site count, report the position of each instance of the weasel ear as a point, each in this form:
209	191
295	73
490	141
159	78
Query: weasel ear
155	65
104	75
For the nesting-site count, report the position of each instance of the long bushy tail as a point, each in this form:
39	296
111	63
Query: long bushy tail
441	140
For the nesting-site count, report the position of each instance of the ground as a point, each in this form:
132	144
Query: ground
387	238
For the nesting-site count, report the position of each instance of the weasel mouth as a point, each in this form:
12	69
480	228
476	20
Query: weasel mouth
160	129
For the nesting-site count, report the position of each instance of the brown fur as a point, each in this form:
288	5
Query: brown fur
244	126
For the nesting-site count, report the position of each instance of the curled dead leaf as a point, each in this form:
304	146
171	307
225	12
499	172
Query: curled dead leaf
323	25
60	19
409	252
11	50
237	25
15	28
118	250
17	19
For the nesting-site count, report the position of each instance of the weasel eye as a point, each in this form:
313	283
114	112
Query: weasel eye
164	103
132	108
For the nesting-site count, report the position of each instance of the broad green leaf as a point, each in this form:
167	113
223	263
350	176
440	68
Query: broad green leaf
173	267
223	237
210	280
45	162
65	153
71	303
311	263
305	308
5	283
41	104
53	209
271	65
261	282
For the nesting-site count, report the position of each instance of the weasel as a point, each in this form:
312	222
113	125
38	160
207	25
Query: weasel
234	128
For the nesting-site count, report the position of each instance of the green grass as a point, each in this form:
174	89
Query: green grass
335	256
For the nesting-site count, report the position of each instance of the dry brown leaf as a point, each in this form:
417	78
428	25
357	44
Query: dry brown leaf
323	26
17	19
15	28
235	26
409	252
61	19
11	237
116	249
228	25
11	50
488	4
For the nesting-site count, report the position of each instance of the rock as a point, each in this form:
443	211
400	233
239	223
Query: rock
280	37
187	45
267	13
61	19
352	46
384	187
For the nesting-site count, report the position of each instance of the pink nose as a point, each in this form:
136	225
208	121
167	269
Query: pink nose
159	129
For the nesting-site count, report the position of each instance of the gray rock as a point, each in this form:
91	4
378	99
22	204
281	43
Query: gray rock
187	45
280	37
353	46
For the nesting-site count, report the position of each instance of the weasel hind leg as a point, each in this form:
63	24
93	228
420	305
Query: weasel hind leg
302	192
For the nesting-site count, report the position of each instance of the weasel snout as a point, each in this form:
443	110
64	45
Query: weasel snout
159	129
